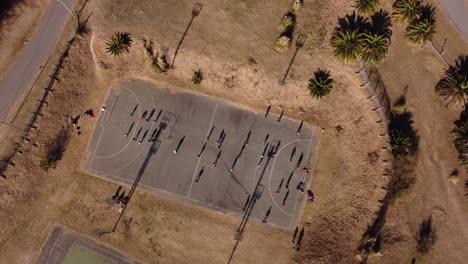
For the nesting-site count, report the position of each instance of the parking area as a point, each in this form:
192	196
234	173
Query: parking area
209	152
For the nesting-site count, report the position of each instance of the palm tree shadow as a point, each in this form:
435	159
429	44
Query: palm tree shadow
461	65
428	12
427	235
401	121
400	101
381	23
350	22
463	117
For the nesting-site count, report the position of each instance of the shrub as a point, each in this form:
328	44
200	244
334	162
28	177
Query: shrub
283	43
197	77
287	22
55	149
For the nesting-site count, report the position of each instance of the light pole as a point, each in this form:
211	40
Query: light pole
250	204
299	44
195	12
153	149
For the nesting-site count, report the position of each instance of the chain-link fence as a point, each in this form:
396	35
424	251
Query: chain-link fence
378	94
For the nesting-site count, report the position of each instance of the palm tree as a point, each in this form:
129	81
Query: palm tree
366	7
119	42
401	143
421	30
405	11
454	85
375	48
321	84
347	44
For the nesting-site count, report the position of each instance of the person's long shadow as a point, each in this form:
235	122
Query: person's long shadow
195	12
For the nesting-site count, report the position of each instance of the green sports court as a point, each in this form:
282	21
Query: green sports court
64	246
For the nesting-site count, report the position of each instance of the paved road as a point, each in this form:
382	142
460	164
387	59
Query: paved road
457	11
26	69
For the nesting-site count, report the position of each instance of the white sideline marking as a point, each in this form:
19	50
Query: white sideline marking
198	163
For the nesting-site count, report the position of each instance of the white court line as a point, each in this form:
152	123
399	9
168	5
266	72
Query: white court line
82	246
102	132
99	246
198	163
297	195
53	247
168	193
270	139
271	173
135	156
112	107
133	133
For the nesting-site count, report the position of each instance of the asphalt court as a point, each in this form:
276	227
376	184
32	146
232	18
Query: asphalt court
64	246
196	118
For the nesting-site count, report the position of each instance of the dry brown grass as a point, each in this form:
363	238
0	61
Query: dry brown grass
414	72
347	180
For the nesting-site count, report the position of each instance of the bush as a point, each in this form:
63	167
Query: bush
160	63
283	43
197	77
297	5
404	175
55	149
287	22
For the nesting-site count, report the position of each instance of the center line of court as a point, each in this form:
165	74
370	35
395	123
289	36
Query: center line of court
305	179
198	162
